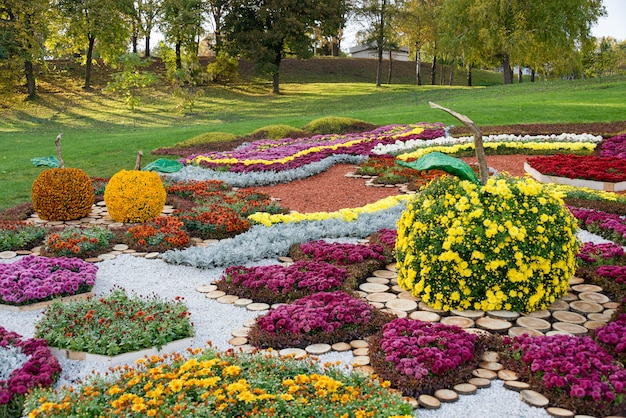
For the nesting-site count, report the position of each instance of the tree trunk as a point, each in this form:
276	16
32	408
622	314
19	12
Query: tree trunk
380	44
469	76
379	66
179	60
532	76
451	81
30	79
88	64
134	41
519	74
418	64
506	69
146	53
389	73
336	46
433	71
275	82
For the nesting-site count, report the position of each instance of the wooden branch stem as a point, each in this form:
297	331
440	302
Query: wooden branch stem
478	140
57	142
138	161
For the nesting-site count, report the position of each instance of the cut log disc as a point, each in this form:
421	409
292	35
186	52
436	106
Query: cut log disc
581	288
459	321
559	305
567	316
534	398
428	402
484	374
594	324
465	389
402	305
506	315
378	280
519	331
507	375
468	313
584	307
408	296
569	328
533	323
576	280
493	324
542	314
560	412
446	395
373	287
516	385
491	365
594	297
492	356
387	274
479	382
380	297
425	316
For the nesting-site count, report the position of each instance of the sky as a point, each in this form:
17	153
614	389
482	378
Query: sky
614	24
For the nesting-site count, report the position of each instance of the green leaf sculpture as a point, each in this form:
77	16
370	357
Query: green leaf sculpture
440	161
163	165
50	161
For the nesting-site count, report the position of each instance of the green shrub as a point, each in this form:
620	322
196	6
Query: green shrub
337	125
278	132
207	138
224	69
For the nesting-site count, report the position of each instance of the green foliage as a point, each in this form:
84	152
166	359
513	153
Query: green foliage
19	235
131	79
278	132
225	69
332	124
207	138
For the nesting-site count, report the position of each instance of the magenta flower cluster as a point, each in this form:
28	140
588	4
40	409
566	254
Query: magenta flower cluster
614	334
613	147
417	348
576	365
600	254
320	312
41	368
388	237
617	273
315	276
35	278
607	225
268	150
342	253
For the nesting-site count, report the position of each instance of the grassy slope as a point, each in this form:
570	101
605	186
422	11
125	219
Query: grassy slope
102	136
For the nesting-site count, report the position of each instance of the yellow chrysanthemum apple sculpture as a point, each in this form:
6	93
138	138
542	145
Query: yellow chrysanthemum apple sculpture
501	243
134	196
60	193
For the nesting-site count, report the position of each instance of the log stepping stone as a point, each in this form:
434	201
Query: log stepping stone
559	305
89	260
360	361
408	296
519	331
555	332
484	373
285	259
341	346
611	305
318	349
492	356
6	255
377	305
567	316
582	288
459	321
507	375
541	314
257	306
399	314
534	398
424	307
396	288
569	328
227	299
391	267
468	314
373	287
428	402
240	332
584	307
292	352
120	247
107	256
506	315
238	341
479	382
594	324
446	395
493	324
386	274
425	316
569	297
576	280
378	280
560	412
594	297
380	297
152	256
465	389
599	317
249	323
364	351
490	365
516	385
241	302
215	294
402	305
359	344
366	370
477	331
533	323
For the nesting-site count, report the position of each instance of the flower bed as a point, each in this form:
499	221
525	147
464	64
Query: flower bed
589	167
607	225
325	317
160	234
24	364
573	372
79	242
17	235
34	279
114	325
612	337
420	357
613	147
215	384
283	284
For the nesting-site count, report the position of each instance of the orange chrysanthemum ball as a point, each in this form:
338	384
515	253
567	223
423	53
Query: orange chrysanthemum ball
62	194
134	196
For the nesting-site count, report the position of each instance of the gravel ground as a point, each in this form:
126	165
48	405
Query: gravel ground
214	322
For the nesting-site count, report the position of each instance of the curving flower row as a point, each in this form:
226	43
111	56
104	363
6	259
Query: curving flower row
494	142
341	253
613	147
607	225
34	279
588	167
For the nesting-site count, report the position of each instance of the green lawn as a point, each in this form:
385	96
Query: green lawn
102	136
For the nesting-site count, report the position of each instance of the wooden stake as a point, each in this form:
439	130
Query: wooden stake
478	141
57	142
138	161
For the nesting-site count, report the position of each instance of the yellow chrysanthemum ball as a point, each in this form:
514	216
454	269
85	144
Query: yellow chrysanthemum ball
508	245
134	196
62	194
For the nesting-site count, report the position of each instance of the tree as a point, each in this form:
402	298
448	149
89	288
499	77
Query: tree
102	20
329	33
182	25
217	10
265	31
148	12
24	28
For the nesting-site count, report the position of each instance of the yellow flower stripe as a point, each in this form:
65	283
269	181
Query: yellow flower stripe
203	158
535	146
348	215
